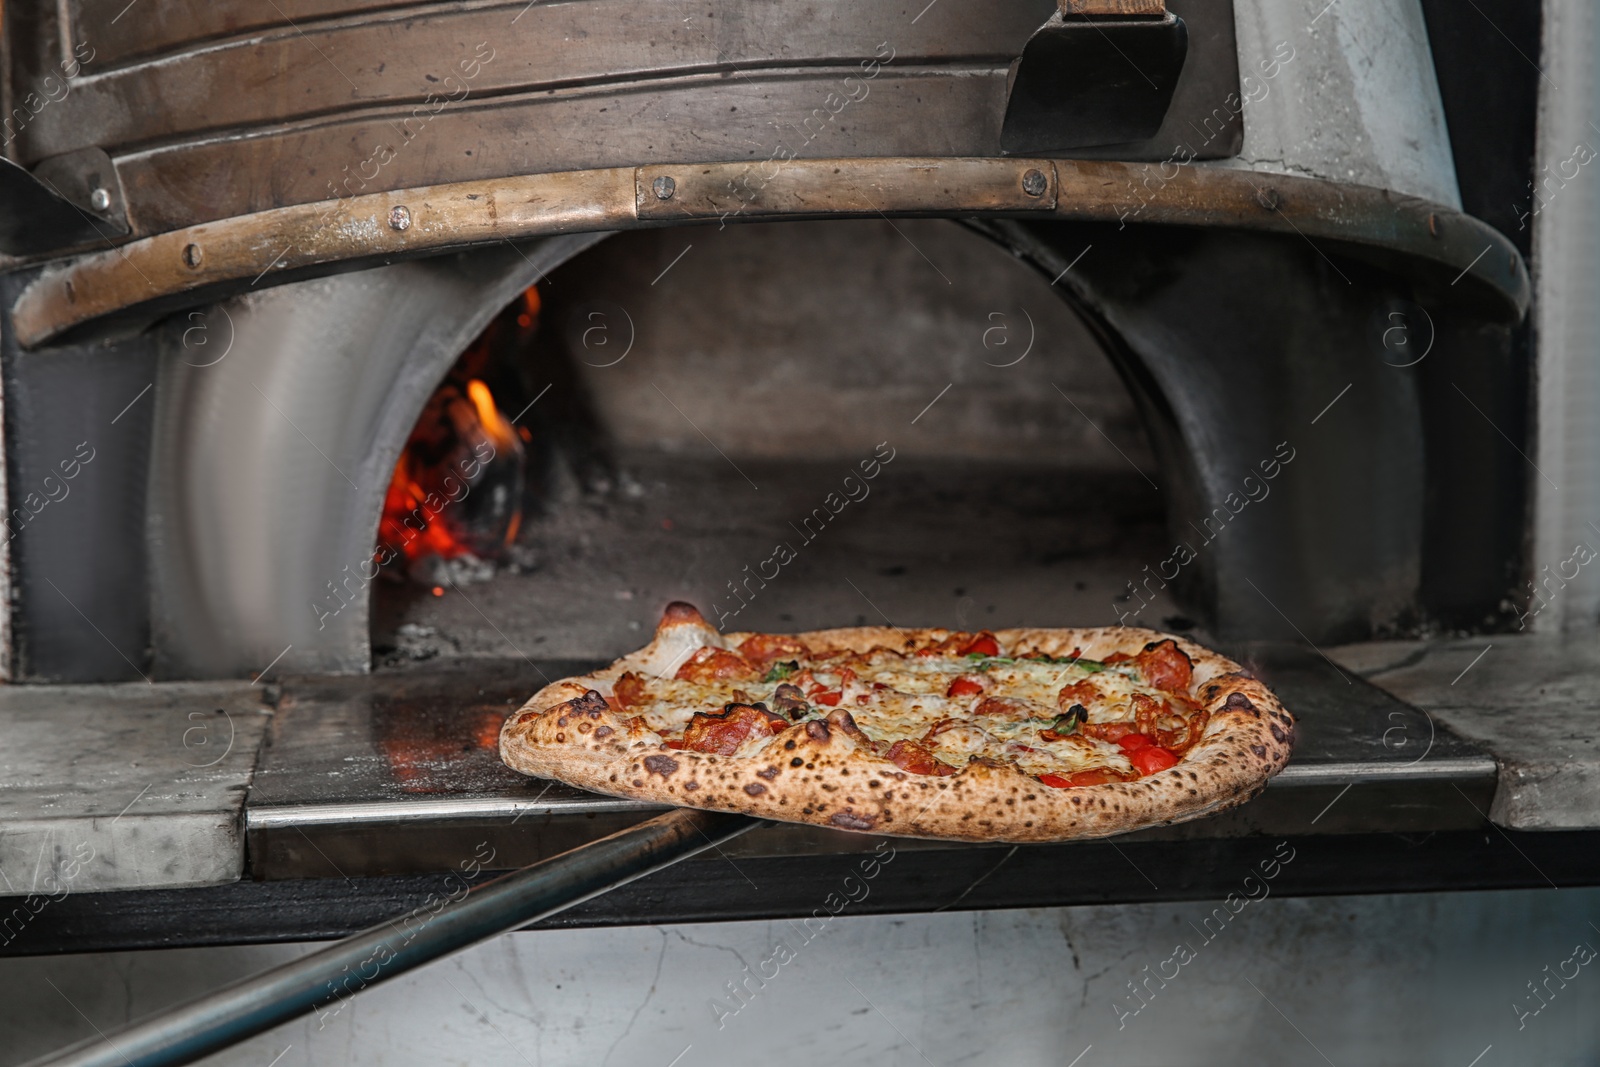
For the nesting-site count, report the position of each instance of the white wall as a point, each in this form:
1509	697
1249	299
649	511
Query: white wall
1566	262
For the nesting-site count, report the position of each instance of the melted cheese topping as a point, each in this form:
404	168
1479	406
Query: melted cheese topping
894	697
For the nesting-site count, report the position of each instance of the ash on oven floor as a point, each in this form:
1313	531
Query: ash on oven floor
791	546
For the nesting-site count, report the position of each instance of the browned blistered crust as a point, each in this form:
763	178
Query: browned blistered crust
817	773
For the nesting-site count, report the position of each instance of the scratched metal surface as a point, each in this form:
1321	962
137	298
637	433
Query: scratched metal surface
418	737
1528	698
111	787
1347	722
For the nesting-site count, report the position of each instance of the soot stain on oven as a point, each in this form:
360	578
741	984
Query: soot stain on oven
673	440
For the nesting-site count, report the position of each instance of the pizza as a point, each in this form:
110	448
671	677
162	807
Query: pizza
1010	735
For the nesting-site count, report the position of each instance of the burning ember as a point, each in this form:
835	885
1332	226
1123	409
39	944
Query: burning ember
457	491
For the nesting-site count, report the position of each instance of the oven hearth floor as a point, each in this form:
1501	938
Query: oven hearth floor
963	545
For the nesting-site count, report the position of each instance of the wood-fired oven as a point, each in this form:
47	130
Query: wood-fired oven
365	362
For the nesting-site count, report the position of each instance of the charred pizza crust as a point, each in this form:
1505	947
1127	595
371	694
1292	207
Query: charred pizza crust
826	772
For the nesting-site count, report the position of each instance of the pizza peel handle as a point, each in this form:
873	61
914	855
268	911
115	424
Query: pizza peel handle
200	1027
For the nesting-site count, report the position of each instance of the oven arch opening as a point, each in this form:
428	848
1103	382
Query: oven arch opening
796	426
258	517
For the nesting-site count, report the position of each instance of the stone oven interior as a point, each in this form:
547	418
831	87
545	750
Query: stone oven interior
703	408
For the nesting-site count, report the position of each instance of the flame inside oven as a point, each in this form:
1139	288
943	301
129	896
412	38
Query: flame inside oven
457	491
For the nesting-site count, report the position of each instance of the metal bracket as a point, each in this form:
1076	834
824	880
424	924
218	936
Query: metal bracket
68	200
1085	81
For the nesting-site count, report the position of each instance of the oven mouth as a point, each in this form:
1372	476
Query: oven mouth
748	420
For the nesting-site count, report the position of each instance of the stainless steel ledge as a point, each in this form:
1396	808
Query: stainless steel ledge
281	816
1460	768
285	816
